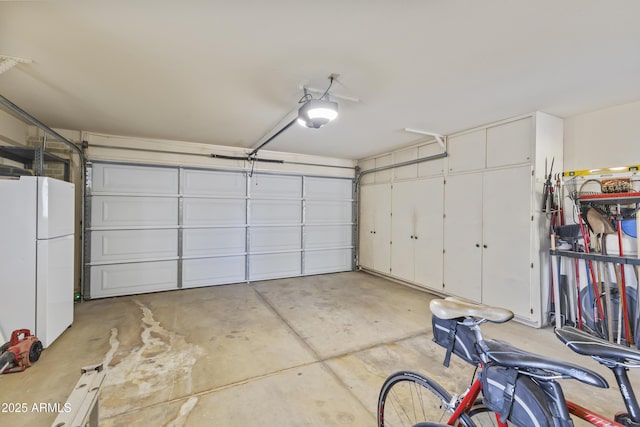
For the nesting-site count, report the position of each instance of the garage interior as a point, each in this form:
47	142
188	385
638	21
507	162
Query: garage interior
231	266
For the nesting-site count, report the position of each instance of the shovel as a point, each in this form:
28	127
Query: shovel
601	227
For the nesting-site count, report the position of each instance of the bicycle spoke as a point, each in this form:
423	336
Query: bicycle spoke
408	398
483	416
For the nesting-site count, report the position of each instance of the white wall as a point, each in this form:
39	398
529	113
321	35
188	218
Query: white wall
156	151
12	132
604	138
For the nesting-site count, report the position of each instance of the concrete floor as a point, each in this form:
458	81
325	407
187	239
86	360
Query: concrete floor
309	351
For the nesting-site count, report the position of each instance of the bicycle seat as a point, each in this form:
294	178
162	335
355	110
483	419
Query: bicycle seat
588	345
452	308
512	357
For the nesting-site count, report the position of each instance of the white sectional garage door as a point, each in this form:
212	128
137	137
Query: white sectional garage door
155	228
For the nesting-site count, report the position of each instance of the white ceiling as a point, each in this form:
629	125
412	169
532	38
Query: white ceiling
227	73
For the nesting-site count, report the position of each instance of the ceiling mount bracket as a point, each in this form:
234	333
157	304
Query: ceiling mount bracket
439	138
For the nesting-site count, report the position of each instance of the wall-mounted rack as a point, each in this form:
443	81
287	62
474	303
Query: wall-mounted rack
33	158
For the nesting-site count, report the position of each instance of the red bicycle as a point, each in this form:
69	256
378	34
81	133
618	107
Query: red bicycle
510	386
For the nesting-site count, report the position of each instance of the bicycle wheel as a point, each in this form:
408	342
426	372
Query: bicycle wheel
482	416
409	399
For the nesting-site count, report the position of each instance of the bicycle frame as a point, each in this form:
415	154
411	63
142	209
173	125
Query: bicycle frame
467	402
574	409
578	411
590	416
463	405
630	401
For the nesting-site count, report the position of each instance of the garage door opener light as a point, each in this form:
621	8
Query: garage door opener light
316	113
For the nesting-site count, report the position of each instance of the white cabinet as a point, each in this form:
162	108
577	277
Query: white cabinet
491	245
416	231
467	151
493	241
494	146
510	143
375	227
487	237
507	254
463	236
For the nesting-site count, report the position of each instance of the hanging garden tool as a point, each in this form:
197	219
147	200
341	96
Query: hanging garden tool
598	315
559	192
547	193
623	285
547	206
600	226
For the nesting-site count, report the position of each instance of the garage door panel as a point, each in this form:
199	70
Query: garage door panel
213	271
271	239
328	261
328	188
155	228
134	278
112	178
327	236
123	211
275	212
275	186
128	245
274	266
213	183
328	212
214	212
213	241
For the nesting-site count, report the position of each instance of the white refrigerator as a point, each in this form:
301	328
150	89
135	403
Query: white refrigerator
36	256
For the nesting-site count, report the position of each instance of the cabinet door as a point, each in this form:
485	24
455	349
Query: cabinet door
403	225
428	242
466	152
366	225
382	230
463	236
510	143
432	167
507	237
375	227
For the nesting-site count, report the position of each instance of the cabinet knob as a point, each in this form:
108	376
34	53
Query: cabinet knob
415	237
411	237
477	245
484	246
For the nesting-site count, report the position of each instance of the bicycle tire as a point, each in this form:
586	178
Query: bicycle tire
482	416
408	399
